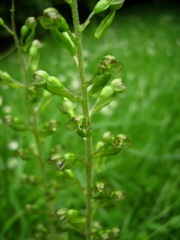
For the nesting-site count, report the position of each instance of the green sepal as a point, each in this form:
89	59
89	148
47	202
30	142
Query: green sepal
99	83
56	87
64	38
105	23
80	124
101	6
24	31
102	103
46	23
31	23
116	4
106	92
118	85
28	40
40	78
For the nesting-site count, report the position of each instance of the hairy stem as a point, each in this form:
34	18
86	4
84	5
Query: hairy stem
85	108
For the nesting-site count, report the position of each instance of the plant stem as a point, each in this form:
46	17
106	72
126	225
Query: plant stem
85	108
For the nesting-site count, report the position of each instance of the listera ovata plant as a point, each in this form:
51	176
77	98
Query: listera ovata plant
103	87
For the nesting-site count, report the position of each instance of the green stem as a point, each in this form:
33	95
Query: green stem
85	108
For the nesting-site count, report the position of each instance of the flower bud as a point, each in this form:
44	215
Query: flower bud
108	60
105	23
68	107
34	54
51	12
36	44
120	141
24	31
101	6
52	18
106	92
116	4
15	123
40	78
2	22
75	122
31	23
118	85
54	85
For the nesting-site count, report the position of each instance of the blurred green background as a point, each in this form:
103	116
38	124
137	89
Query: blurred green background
146	39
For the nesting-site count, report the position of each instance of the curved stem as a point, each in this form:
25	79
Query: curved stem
85	108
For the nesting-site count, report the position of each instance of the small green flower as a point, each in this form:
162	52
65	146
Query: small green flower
40	78
31	23
118	85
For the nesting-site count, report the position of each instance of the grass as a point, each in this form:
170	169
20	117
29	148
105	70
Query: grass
147	41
